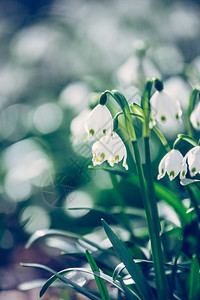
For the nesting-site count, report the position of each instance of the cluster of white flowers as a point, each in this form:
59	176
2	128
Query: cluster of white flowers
173	163
109	146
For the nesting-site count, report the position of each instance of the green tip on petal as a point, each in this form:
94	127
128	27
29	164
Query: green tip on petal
183	173
193	170
103	155
163	118
177	117
91	131
171	174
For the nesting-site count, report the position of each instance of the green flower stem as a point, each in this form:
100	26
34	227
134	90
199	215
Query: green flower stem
153	223
151	213
191	106
150	197
146	106
162	138
121	100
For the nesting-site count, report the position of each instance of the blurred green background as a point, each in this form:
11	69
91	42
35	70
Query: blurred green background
55	57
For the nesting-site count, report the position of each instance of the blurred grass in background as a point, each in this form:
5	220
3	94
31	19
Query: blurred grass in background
54	57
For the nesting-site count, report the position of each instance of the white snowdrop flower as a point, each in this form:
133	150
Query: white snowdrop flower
164	108
102	150
99	122
109	148
118	152
192	161
170	163
195	117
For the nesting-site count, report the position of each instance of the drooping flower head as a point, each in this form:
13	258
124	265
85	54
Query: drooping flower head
118	152
99	122
101	150
170	164
109	148
164	108
195	117
191	161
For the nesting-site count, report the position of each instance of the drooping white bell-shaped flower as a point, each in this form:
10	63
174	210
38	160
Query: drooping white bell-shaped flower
99	122
109	148
191	161
170	164
195	117
102	150
118	152
164	108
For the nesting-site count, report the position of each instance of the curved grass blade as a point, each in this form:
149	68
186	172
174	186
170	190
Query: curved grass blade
132	268
147	263
115	210
65	280
128	292
40	234
53	278
194	290
100	282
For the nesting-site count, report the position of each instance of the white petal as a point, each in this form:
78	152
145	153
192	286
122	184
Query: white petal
102	150
173	164
99	121
164	108
183	170
161	167
170	163
193	158
119	151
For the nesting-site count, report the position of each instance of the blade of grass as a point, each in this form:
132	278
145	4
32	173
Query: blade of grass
100	282
194	289
132	268
128	292
41	234
53	278
65	280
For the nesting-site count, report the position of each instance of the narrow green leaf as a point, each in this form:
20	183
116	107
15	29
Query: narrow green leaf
77	287
53	278
128	292
161	138
132	268
119	268
194	289
100	282
41	234
147	264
